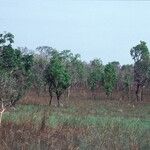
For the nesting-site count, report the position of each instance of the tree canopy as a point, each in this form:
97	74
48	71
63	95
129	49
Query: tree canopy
57	71
57	76
15	70
140	55
109	78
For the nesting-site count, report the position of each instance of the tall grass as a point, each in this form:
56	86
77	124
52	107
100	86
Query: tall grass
79	125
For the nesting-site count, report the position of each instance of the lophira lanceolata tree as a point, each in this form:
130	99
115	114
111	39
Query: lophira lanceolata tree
95	75
140	55
109	78
57	76
15	71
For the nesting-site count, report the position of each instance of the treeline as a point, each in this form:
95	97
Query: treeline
57	71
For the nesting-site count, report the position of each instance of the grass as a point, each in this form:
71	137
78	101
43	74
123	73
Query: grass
93	124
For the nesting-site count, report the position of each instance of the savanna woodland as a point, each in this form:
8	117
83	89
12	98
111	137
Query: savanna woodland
53	100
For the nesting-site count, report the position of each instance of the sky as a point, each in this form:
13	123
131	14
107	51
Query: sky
94	29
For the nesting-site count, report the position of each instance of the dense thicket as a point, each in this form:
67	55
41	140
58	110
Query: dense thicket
58	71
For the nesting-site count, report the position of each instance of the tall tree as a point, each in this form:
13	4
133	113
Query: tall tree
76	69
95	76
117	67
109	78
15	70
140	55
57	77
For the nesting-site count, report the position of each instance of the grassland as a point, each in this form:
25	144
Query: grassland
78	125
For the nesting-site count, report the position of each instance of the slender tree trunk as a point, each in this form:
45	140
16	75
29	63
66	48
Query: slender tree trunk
107	96
50	101
94	95
43	122
58	94
137	92
129	92
58	98
142	94
1	113
51	96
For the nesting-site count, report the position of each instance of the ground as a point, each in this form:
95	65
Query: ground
78	124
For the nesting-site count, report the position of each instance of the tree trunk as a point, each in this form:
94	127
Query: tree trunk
139	92
142	94
50	101
58	94
129	92
51	96
58	98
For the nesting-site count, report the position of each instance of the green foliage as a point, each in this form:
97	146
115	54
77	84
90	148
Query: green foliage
141	57
63	69
74	65
77	69
109	78
116	65
59	73
6	39
27	62
7	55
95	76
127	76
42	58
57	76
15	70
140	52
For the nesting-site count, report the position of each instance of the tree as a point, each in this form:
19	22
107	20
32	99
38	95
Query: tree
15	71
126	77
109	78
8	88
42	57
57	77
141	57
117	67
95	75
45	52
75	67
38	68
6	39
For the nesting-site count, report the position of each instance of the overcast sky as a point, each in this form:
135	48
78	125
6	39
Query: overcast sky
94	29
